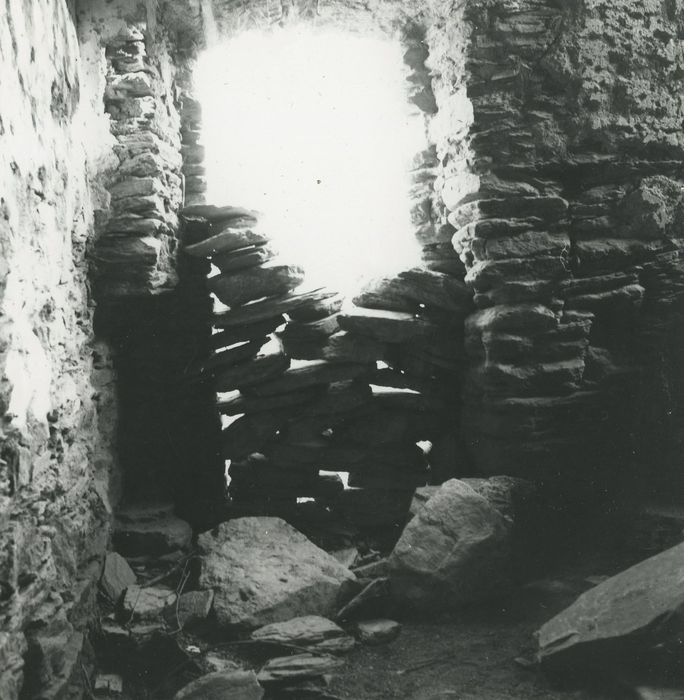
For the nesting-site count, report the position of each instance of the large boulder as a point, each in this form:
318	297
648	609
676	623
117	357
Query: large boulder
457	549
262	571
640	609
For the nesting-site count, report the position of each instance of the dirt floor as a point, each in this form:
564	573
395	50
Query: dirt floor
470	657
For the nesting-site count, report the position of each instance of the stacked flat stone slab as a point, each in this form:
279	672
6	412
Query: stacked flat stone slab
247	355
135	253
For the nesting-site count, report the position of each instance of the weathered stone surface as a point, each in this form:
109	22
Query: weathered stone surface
299	666
246	331
191	609
232	355
523	317
214	214
270	362
306	374
311	331
54	659
340	347
146	604
215	661
385	294
150	530
349	347
312	631
229	238
435	289
545	208
317	308
653	209
221	685
639	608
386	326
456	550
243	258
117	576
523	245
234	403
374	632
260	310
237	287
108	684
262	570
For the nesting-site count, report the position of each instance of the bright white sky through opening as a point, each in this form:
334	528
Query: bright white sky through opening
313	129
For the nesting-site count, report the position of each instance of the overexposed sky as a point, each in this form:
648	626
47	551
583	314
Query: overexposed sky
312	128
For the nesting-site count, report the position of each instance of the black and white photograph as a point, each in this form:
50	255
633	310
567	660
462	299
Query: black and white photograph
341	349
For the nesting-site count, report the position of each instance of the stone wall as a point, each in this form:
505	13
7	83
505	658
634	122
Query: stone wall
152	308
57	470
572	237
554	176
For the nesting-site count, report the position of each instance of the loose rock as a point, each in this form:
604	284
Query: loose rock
378	631
146	604
221	685
117	576
457	549
311	631
641	607
191	609
263	571
289	668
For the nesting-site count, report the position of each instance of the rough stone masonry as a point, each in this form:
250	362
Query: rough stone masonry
551	196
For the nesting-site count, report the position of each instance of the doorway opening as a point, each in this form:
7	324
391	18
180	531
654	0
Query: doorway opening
312	127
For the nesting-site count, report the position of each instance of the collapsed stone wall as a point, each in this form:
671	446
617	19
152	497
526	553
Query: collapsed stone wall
302	418
57	467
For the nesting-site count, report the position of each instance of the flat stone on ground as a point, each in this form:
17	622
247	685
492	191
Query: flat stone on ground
223	685
146	604
302	666
378	631
641	607
311	631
